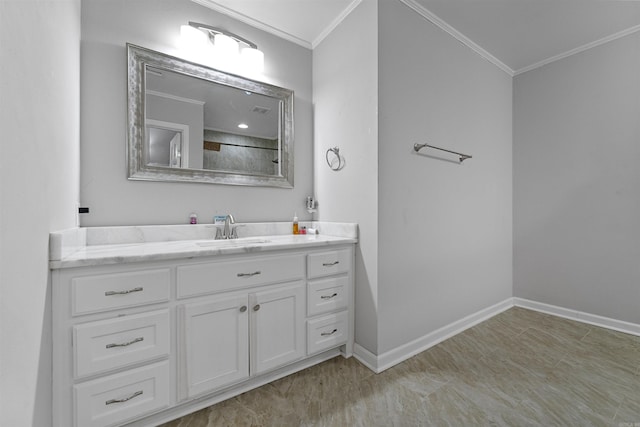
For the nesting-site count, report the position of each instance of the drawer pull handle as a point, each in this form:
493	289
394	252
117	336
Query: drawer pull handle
124	399
329	296
326	334
330	264
128	291
255	273
126	344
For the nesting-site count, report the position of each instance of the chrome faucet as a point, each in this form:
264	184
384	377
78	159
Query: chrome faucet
229	232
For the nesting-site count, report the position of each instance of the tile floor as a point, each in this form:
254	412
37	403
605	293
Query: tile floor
519	368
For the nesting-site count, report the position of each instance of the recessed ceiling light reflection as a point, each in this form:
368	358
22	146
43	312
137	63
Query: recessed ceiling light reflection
243	126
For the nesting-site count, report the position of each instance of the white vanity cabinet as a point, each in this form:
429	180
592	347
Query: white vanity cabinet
214	343
234	334
226	339
330	291
142	343
277	327
111	344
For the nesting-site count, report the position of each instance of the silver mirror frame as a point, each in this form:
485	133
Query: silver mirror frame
138	58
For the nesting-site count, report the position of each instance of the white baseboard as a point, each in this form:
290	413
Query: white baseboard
580	316
393	357
365	357
400	354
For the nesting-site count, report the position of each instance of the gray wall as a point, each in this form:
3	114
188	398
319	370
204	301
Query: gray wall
436	236
576	181
106	27
345	97
445	229
39	175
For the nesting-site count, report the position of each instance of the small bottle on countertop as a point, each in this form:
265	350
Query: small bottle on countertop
303	230
295	223
193	218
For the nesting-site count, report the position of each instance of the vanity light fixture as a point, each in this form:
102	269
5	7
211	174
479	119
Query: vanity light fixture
223	46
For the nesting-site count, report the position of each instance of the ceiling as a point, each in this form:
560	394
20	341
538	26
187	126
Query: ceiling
305	22
516	35
225	107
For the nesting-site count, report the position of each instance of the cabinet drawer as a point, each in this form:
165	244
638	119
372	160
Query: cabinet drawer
114	343
199	279
328	263
117	398
327	295
327	332
92	294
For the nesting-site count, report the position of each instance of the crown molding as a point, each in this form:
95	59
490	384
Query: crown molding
332	26
436	20
579	49
254	22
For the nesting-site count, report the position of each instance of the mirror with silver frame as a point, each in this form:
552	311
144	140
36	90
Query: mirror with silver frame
191	123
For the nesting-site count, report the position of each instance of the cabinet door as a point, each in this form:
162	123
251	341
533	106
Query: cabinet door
215	344
277	326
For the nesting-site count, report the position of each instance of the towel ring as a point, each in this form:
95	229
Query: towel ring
338	157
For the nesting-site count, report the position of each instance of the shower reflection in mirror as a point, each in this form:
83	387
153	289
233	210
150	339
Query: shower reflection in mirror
237	153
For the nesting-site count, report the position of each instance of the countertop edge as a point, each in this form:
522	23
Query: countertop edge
176	250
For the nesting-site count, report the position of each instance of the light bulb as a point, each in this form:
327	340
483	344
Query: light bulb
252	60
226	50
194	44
192	38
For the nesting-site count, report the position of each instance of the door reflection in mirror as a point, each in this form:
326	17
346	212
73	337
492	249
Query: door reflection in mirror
165	145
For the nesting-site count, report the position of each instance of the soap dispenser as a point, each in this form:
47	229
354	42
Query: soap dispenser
295	223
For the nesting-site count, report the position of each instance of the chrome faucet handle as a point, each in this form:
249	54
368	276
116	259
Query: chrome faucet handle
218	234
234	231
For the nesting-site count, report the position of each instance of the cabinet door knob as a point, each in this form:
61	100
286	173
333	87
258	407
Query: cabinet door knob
256	307
243	309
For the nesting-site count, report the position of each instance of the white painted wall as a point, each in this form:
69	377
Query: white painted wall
39	175
445	235
345	98
576	181
106	27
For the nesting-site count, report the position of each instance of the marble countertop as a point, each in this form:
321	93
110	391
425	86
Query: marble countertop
83	247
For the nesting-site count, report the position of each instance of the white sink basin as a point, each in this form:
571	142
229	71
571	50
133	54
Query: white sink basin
231	242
